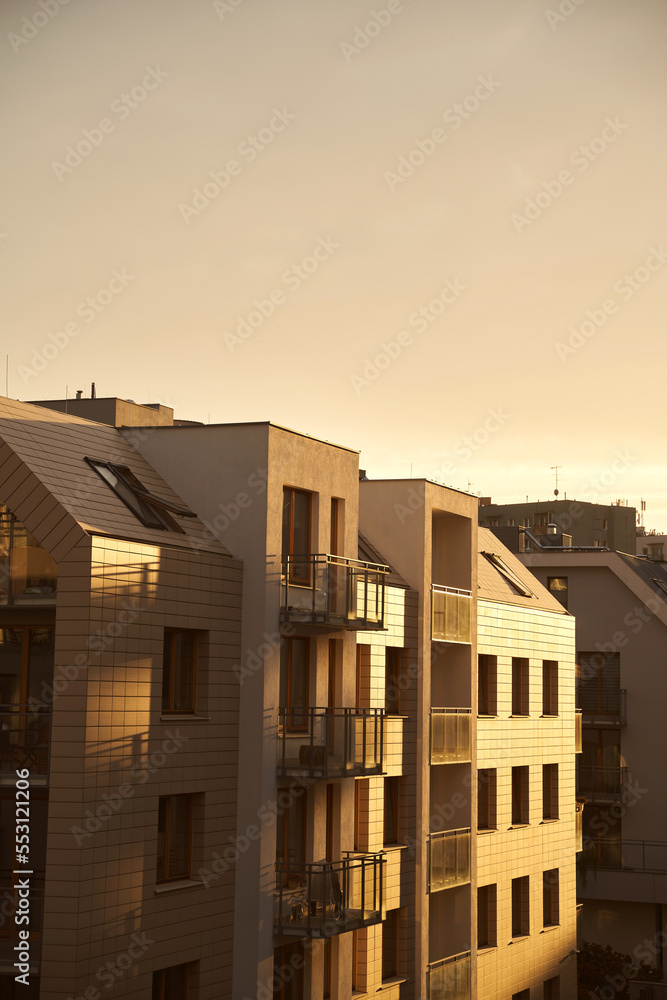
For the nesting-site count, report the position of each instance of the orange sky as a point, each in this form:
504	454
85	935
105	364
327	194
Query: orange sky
429	230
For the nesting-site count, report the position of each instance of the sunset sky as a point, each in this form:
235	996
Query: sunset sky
432	231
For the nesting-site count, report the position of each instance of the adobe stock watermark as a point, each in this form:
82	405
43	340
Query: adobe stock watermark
292	279
582	157
31	26
364	34
224	7
647	952
625	288
218	181
566	8
109	973
121	107
420	320
455	116
88	310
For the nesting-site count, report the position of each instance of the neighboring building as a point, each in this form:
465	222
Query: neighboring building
588	524
620	605
396	828
652	545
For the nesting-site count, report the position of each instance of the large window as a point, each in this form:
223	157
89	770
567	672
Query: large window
557	586
294	671
28	574
179	670
171	983
26	666
520	906
296	534
174	837
600	684
151	510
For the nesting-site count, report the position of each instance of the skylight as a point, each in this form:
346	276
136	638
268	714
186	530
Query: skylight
152	511
512	578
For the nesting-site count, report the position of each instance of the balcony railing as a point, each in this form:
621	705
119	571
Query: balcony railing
612	712
630	855
450	614
578	732
450	735
25	740
449	859
321	899
330	742
450	978
333	592
579	825
601	782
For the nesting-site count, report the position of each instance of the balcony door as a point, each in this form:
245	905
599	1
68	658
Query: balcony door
26	665
296	534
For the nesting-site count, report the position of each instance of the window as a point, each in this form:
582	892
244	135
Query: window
550	915
552	989
390	945
541	520
28	574
557	586
511	522
486	916
288	966
520	803
296	534
487	673
493	522
179	670
26	668
294	671
549	687
520	681
391	810
291	834
174	837
550	791
151	510
392	680
520	906
523	995
486	799
515	581
328	967
171	983
599	687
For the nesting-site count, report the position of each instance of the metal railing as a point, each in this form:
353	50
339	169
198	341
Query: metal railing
578	732
330	742
448	859
321	899
630	855
613	713
595	781
450	978
450	735
579	826
25	739
451	612
321	589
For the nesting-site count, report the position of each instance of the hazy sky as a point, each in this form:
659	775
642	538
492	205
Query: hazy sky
432	231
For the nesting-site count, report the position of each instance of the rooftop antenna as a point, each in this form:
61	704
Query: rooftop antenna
7	377
66	397
556	467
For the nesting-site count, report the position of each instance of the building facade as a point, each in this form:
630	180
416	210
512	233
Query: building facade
609	526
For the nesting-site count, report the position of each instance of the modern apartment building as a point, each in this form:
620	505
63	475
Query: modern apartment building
620	606
609	526
343	765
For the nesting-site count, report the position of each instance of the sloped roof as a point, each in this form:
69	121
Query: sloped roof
46	482
496	585
368	553
652	573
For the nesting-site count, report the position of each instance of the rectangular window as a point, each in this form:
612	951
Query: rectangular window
288	971
523	995
294	682
557	586
296	534
520	803
550	791
520	906
487	673
179	670
391	810
392	680
390	945
550	893
171	983
174	837
549	687
552	989
151	510
486	916
486	799
291	838
520	682
599	687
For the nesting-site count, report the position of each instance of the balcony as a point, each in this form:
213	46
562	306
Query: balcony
450	735
330	742
578	732
579	825
450	978
610	710
448	859
450	614
331	592
25	740
322	899
630	855
601	783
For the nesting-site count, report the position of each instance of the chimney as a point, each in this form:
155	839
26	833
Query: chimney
552	529
92	391
79	393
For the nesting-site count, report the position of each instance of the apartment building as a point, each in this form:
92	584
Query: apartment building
582	522
119	631
620	605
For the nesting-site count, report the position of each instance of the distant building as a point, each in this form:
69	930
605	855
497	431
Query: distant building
609	526
653	546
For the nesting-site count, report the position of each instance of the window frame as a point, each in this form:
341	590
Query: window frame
160	982
286	647
521	906
487	911
289	493
166	878
487	793
550	792
520	687
391	920
170	710
487	685
555	590
550	688
551	898
152	511
392	802
520	778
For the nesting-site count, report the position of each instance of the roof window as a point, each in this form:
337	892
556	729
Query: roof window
152	511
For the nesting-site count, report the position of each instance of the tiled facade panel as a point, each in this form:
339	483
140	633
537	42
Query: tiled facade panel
113	756
507	853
